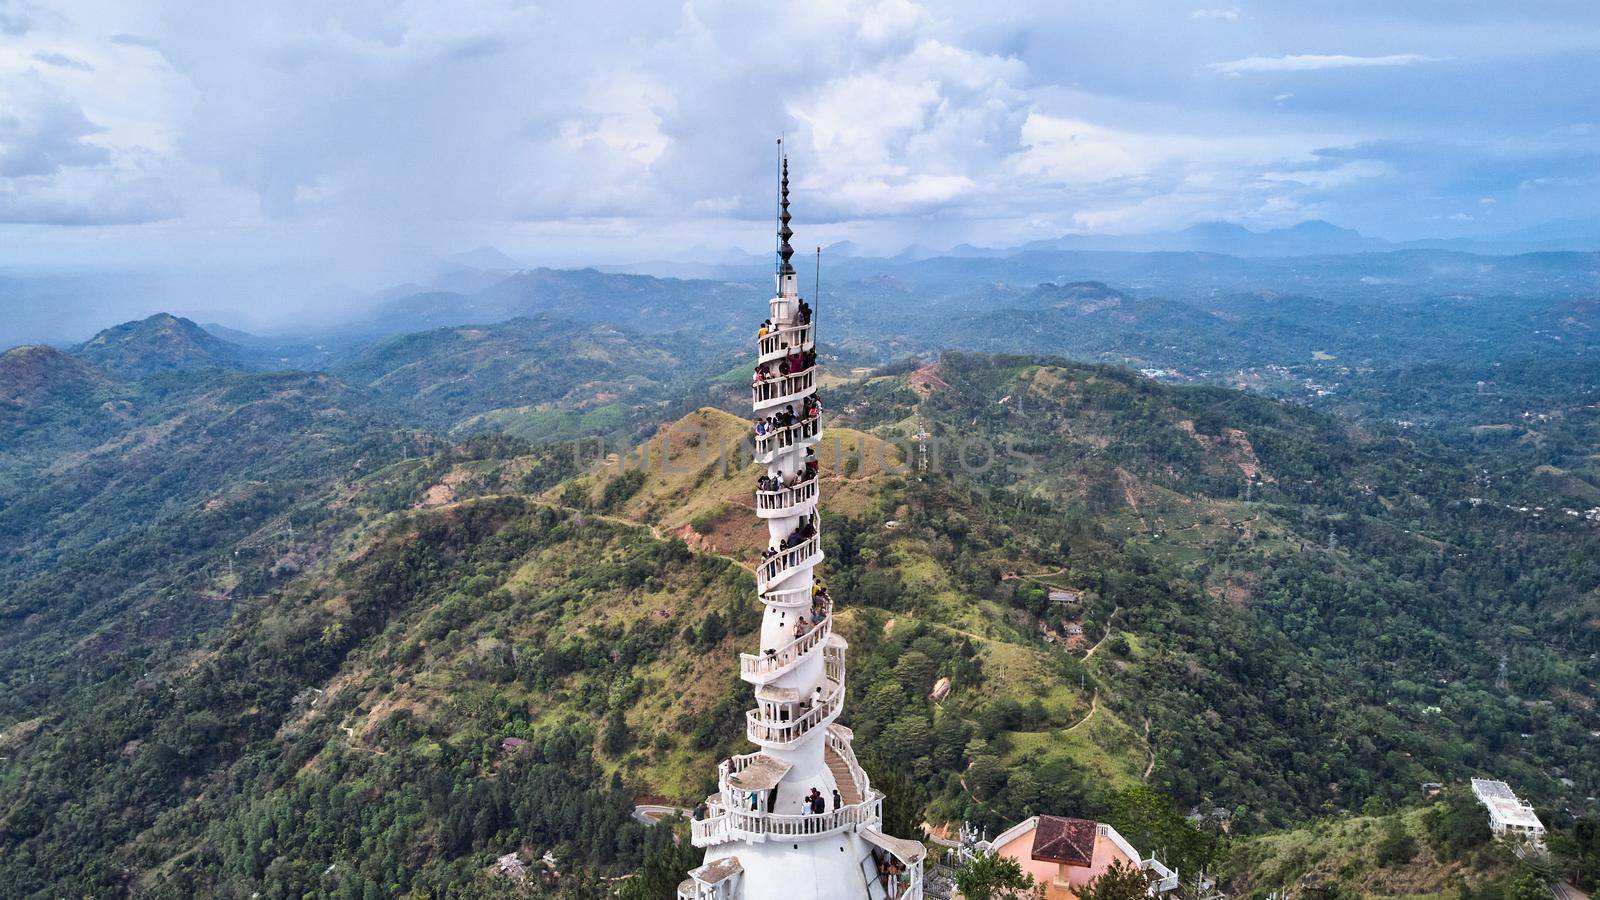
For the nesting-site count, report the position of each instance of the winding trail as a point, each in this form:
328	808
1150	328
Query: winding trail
1109	619
1151	748
1094	704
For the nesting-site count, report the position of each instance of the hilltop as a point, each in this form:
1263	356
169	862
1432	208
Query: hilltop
160	343
35	375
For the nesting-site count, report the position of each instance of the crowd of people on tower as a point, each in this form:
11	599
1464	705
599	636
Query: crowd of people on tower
810	409
891	871
778	482
801	533
792	363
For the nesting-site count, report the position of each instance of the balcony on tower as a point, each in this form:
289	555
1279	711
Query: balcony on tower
785	715
803	433
781	566
780	342
724	824
786	306
789	501
716	880
739	810
783	390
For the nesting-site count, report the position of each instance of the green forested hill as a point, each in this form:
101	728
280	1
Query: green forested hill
300	625
1369	603
540	378
160	343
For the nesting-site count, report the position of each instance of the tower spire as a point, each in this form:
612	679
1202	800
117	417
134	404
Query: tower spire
785	252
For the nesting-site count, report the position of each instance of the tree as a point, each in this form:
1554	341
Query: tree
665	863
1526	886
1578	850
1148	820
1397	845
989	876
1456	824
616	737
1122	881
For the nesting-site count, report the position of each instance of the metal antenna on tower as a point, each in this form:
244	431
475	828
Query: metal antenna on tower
816	291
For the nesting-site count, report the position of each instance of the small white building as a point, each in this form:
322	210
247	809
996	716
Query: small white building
1510	817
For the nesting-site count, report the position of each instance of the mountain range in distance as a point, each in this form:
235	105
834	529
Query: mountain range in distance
299	310
1313	237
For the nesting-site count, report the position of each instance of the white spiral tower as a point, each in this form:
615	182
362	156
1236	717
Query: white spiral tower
764	834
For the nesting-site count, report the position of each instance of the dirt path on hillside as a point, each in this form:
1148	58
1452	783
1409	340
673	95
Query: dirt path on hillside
1109	619
1094	704
1151	749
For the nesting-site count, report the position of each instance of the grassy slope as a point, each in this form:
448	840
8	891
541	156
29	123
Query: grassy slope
692	487
1345	853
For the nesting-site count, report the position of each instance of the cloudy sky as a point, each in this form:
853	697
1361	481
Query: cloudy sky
562	131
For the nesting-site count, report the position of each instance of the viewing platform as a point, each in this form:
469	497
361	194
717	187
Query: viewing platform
790	501
782	716
804	433
780	343
775	393
724	825
777	569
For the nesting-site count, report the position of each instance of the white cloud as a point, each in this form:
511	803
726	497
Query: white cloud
622	115
918	129
908	120
1312	62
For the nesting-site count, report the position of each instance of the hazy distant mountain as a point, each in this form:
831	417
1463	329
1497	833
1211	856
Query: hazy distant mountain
639	302
1313	238
160	343
484	257
1310	238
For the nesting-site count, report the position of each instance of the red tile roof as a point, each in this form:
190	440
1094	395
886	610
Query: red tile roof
1069	842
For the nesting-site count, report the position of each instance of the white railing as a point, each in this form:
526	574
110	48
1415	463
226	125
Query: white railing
776	568
713	829
767	732
737	764
783	389
757	664
914	890
767	445
782	502
1164	878
758	826
800	596
839	740
796	337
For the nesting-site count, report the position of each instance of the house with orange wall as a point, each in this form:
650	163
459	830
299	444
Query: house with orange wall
1063	855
